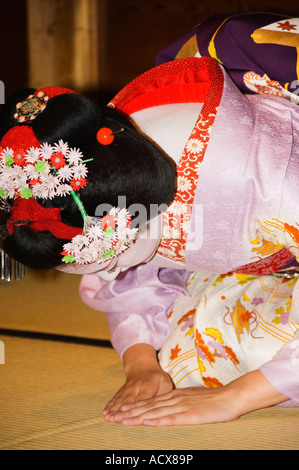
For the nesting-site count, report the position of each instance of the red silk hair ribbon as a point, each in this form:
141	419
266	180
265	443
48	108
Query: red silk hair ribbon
40	219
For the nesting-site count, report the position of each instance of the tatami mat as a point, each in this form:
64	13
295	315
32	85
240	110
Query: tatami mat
49	302
52	395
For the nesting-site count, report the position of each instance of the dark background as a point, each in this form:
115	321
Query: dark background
135	30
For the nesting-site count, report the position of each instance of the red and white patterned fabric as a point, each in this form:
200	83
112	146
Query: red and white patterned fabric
183	81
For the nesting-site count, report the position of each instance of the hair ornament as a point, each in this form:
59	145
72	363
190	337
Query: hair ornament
41	172
105	136
102	238
39	218
28	109
56	170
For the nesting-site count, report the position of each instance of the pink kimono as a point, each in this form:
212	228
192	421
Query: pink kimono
239	174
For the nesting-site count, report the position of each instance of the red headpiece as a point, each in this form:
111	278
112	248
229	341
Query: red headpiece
20	139
30	170
30	212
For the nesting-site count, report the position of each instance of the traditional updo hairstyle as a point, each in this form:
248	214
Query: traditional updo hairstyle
131	166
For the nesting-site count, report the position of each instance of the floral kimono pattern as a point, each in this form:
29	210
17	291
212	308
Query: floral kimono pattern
230	325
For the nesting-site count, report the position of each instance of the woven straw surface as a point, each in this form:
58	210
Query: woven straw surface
52	392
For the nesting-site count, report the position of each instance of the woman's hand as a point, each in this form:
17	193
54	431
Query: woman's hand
145	380
197	405
192	405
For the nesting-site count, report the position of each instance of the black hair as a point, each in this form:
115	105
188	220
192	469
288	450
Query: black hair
132	166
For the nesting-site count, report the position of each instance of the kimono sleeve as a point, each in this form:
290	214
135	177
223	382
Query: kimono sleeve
283	371
136	303
230	39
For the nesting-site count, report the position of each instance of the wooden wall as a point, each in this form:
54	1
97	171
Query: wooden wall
97	46
137	30
13	45
64	42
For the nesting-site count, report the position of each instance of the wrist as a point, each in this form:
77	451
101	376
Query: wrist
140	357
253	391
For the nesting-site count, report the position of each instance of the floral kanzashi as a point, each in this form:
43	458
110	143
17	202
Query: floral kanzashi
108	221
57	170
57	160
78	183
42	172
101	240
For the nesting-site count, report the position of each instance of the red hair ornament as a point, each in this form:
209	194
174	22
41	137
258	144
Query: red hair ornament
105	136
30	169
30	212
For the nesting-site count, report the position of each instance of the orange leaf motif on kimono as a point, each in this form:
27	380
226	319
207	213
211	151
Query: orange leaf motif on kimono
240	318
204	349
293	232
191	313
174	352
212	382
231	355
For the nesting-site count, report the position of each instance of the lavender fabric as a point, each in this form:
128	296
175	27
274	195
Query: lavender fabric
246	170
251	168
136	304
282	372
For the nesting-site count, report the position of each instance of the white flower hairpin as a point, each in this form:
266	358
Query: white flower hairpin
102	237
41	172
57	170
